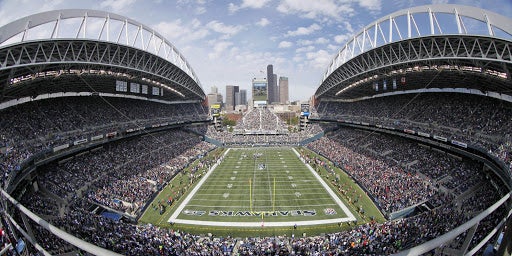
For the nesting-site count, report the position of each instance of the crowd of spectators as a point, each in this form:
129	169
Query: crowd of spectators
367	239
477	120
40	204
395	165
253	130
370	238
123	175
36	126
260	119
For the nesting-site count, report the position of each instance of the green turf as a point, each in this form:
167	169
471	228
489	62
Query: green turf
181	183
276	182
178	187
352	190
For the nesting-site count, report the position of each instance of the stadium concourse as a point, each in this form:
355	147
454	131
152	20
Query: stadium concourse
86	147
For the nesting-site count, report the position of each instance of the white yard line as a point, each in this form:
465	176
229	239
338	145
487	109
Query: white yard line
267	166
347	212
231	206
194	190
259	224
327	188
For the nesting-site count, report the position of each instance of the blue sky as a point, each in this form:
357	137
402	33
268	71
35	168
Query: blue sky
229	42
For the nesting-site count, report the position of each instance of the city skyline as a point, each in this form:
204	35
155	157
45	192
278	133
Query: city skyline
230	42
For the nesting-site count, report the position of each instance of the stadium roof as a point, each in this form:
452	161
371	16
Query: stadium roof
447	47
79	50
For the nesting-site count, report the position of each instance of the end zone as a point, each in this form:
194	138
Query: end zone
174	217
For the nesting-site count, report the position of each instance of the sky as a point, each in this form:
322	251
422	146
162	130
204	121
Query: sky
230	42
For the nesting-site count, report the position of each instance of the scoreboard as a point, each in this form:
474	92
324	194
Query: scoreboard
304	109
215	110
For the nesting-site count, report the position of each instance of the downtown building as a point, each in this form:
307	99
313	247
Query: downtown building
273	91
231	91
214	97
283	90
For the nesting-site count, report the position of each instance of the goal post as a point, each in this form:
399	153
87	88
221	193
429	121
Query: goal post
272	198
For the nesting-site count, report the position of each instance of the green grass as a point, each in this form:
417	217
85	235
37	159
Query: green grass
178	187
352	190
260	195
284	186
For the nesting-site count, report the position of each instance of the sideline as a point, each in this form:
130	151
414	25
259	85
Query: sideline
174	216
174	219
327	188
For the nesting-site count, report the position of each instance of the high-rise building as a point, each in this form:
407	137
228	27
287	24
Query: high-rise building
241	98
230	96
275	89
272	84
283	90
214	97
237	98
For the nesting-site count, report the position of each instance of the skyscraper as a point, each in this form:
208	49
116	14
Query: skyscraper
272	85
242	97
214	97
230	96
283	90
276	89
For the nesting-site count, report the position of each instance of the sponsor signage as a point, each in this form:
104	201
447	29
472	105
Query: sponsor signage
424	134
78	142
409	131
440	138
97	137
460	144
111	134
61	147
134	129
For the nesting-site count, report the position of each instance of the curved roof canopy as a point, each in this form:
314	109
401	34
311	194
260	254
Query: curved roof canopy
78	41
443	37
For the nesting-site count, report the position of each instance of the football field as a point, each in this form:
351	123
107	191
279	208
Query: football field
261	186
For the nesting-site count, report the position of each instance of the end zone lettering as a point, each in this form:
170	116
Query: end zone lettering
219	213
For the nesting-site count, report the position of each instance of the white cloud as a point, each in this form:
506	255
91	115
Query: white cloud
316	9
116	5
322	40
200	10
319	59
333	47
285	44
304	42
372	5
13	10
195	23
177	31
301	31
440	1
255	4
263	22
305	49
342	38
220	27
297	59
348	26
219	48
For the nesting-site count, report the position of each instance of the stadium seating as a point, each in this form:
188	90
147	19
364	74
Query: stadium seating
123	175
